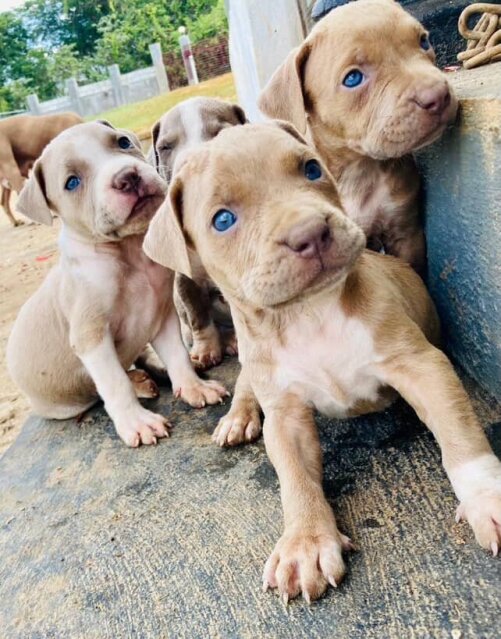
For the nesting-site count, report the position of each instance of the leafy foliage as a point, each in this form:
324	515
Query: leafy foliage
44	42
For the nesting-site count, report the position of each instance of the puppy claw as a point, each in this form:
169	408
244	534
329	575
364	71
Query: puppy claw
140	426
306	563
242	424
347	544
265	586
199	393
285	598
459	514
494	548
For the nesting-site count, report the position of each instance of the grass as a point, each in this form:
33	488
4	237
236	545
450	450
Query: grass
140	116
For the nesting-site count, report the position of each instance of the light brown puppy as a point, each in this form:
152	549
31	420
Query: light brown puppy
205	316
364	89
74	340
321	324
22	140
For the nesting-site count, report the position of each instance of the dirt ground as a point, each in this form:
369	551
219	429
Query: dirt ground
26	254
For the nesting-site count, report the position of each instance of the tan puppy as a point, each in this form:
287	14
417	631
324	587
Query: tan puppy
364	90
321	324
205	316
77	336
22	140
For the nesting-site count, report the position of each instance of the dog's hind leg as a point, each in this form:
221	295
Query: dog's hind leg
5	202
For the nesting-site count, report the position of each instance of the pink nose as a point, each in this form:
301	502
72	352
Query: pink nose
126	180
309	239
434	99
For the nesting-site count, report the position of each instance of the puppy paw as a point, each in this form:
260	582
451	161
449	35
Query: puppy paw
138	426
478	485
484	516
199	392
241	425
204	355
306	564
144	386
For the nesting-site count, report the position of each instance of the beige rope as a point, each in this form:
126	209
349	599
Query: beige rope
484	40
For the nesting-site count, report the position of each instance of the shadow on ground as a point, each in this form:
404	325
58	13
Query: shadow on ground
98	540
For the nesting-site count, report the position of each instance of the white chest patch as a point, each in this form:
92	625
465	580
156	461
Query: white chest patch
134	290
329	360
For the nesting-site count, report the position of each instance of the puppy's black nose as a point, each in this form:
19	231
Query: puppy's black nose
434	99
309	239
126	180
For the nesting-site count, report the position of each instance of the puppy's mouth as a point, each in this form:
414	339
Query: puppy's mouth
143	205
148	199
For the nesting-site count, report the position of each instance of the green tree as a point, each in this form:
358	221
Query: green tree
54	23
44	42
13	45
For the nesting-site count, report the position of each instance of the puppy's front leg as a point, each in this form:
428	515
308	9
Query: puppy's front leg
427	380
186	384
206	349
134	423
308	556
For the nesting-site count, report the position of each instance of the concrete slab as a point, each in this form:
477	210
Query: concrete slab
97	540
462	183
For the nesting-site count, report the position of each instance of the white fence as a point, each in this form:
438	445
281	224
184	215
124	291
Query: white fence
119	89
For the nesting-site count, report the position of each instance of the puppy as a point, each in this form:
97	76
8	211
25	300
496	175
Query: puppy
77	336
364	89
205	316
322	324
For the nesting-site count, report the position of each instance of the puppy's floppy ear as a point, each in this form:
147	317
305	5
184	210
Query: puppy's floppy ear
283	97
165	242
152	154
32	200
290	129
240	114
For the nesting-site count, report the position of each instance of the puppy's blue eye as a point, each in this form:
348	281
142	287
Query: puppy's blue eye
424	42
72	182
312	170
223	220
124	143
353	79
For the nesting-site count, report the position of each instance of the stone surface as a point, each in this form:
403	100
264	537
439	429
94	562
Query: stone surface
101	541
462	184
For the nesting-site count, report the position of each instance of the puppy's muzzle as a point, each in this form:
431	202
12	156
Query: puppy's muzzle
433	99
310	239
127	180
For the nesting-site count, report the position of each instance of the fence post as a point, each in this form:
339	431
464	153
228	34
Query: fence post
33	104
74	95
187	53
116	83
261	36
159	66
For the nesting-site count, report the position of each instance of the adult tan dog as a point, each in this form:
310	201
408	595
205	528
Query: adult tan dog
81	331
322	324
22	140
364	90
205	317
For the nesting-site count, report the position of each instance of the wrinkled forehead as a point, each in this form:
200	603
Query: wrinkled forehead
199	117
83	148
367	29
241	163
